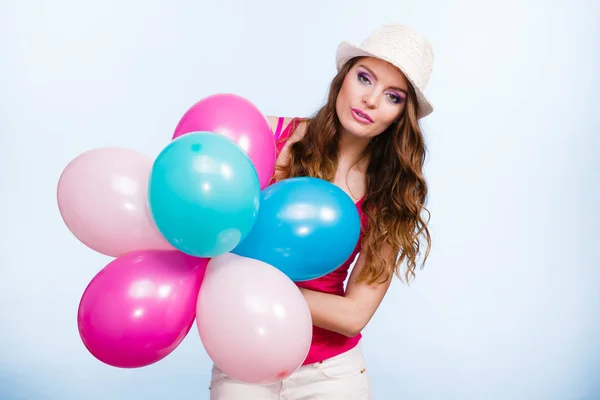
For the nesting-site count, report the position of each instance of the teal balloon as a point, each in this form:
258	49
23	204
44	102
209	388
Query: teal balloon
203	194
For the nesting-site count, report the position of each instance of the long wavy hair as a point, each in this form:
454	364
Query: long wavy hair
396	190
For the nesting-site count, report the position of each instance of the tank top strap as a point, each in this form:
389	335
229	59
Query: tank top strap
282	138
279	126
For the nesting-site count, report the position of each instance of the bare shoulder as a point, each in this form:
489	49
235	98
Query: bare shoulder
274	122
298	132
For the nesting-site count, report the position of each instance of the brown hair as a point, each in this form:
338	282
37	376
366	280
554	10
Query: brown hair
396	190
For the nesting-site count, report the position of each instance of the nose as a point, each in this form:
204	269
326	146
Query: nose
370	99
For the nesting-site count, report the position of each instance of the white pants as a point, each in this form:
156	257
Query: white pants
343	377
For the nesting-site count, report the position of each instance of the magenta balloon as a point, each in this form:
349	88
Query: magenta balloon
239	120
103	199
253	320
140	307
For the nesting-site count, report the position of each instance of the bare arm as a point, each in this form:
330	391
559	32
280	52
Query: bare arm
348	314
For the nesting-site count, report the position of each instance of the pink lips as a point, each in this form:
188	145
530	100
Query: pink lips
361	116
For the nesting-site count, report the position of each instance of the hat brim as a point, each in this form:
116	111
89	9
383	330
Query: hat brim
347	51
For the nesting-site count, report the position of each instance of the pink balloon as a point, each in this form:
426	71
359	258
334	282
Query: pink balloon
102	198
238	119
140	307
253	320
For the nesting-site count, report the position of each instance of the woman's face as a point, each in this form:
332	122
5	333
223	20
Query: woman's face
372	97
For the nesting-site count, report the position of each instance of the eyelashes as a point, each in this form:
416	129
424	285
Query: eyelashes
394	97
364	78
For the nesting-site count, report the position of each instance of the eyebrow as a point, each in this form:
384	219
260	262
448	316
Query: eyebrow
373	73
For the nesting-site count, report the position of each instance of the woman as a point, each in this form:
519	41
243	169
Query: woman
366	139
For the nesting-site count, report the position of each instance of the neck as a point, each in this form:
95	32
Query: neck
352	150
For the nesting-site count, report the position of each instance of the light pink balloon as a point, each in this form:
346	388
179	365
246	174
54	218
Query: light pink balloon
253	321
241	121
103	199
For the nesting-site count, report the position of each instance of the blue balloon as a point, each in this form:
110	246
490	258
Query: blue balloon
204	194
306	227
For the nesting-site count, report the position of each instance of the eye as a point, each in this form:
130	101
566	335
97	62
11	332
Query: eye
395	98
363	78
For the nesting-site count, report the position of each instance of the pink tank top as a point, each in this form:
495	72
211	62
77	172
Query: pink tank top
325	344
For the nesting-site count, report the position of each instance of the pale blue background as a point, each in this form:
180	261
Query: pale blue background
508	305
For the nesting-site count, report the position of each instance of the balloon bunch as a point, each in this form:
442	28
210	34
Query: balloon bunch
199	234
